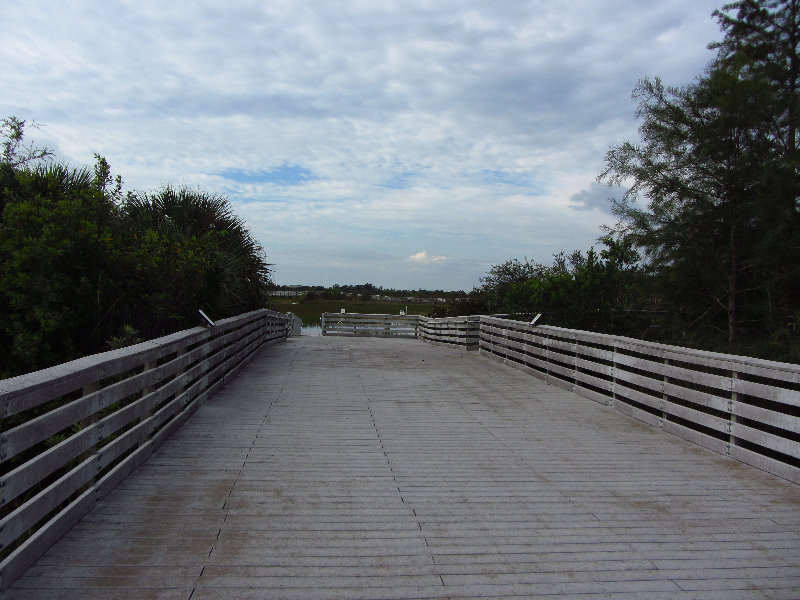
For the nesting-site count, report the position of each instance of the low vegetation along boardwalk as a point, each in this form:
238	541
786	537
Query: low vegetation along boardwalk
386	468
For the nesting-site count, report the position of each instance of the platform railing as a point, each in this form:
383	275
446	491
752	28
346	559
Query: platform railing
369	325
72	432
745	408
451	331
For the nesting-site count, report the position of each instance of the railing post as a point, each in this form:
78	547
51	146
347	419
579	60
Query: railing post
148	366
613	397
505	344
575	365
181	388
663	402
546	340
732	411
90	388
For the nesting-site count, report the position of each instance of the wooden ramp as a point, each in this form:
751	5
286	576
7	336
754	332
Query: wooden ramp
375	468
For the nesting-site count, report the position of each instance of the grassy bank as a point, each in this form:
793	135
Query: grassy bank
311	310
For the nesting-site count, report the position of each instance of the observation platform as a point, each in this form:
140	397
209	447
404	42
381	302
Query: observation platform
390	468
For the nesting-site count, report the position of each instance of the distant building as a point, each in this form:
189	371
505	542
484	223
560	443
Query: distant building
286	293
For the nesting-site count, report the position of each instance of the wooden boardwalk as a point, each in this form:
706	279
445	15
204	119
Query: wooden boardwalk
387	468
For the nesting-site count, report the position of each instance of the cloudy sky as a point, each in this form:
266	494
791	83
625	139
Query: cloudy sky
405	143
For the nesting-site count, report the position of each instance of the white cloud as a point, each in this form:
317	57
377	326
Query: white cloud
422	257
468	128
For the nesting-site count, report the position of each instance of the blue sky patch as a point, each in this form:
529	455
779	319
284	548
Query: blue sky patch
285	175
505	177
399	181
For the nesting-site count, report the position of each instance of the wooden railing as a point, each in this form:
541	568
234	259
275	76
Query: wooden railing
745	408
357	324
72	432
454	331
451	331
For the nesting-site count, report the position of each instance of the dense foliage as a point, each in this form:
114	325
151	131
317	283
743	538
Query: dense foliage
83	268
706	251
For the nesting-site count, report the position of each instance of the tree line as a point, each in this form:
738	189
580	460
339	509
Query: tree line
706	248
365	290
84	268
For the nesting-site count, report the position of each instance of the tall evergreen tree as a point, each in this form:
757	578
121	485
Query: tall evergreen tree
697	167
762	42
716	164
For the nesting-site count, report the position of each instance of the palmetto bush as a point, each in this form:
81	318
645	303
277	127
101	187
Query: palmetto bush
188	250
80	265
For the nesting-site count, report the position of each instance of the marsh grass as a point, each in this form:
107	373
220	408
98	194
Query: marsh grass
310	311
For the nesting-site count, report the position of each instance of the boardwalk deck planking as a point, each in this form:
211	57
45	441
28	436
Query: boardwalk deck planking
390	468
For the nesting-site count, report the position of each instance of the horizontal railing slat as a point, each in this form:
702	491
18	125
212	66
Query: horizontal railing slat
29	514
28	474
790	397
720	403
697	417
766	439
588	379
790	423
698	437
628	377
34	389
42	539
643	398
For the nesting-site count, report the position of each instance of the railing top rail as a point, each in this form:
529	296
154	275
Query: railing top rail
462	318
381	315
115	361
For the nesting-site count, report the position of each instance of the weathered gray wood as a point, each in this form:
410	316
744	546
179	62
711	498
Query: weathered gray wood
389	468
759	390
629	377
769	417
635	412
698	437
600	397
30	473
599	368
643	398
721	403
190	376
358	324
29	514
17	440
589	379
695	416
558	356
764	462
766	439
44	538
32	389
452	331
